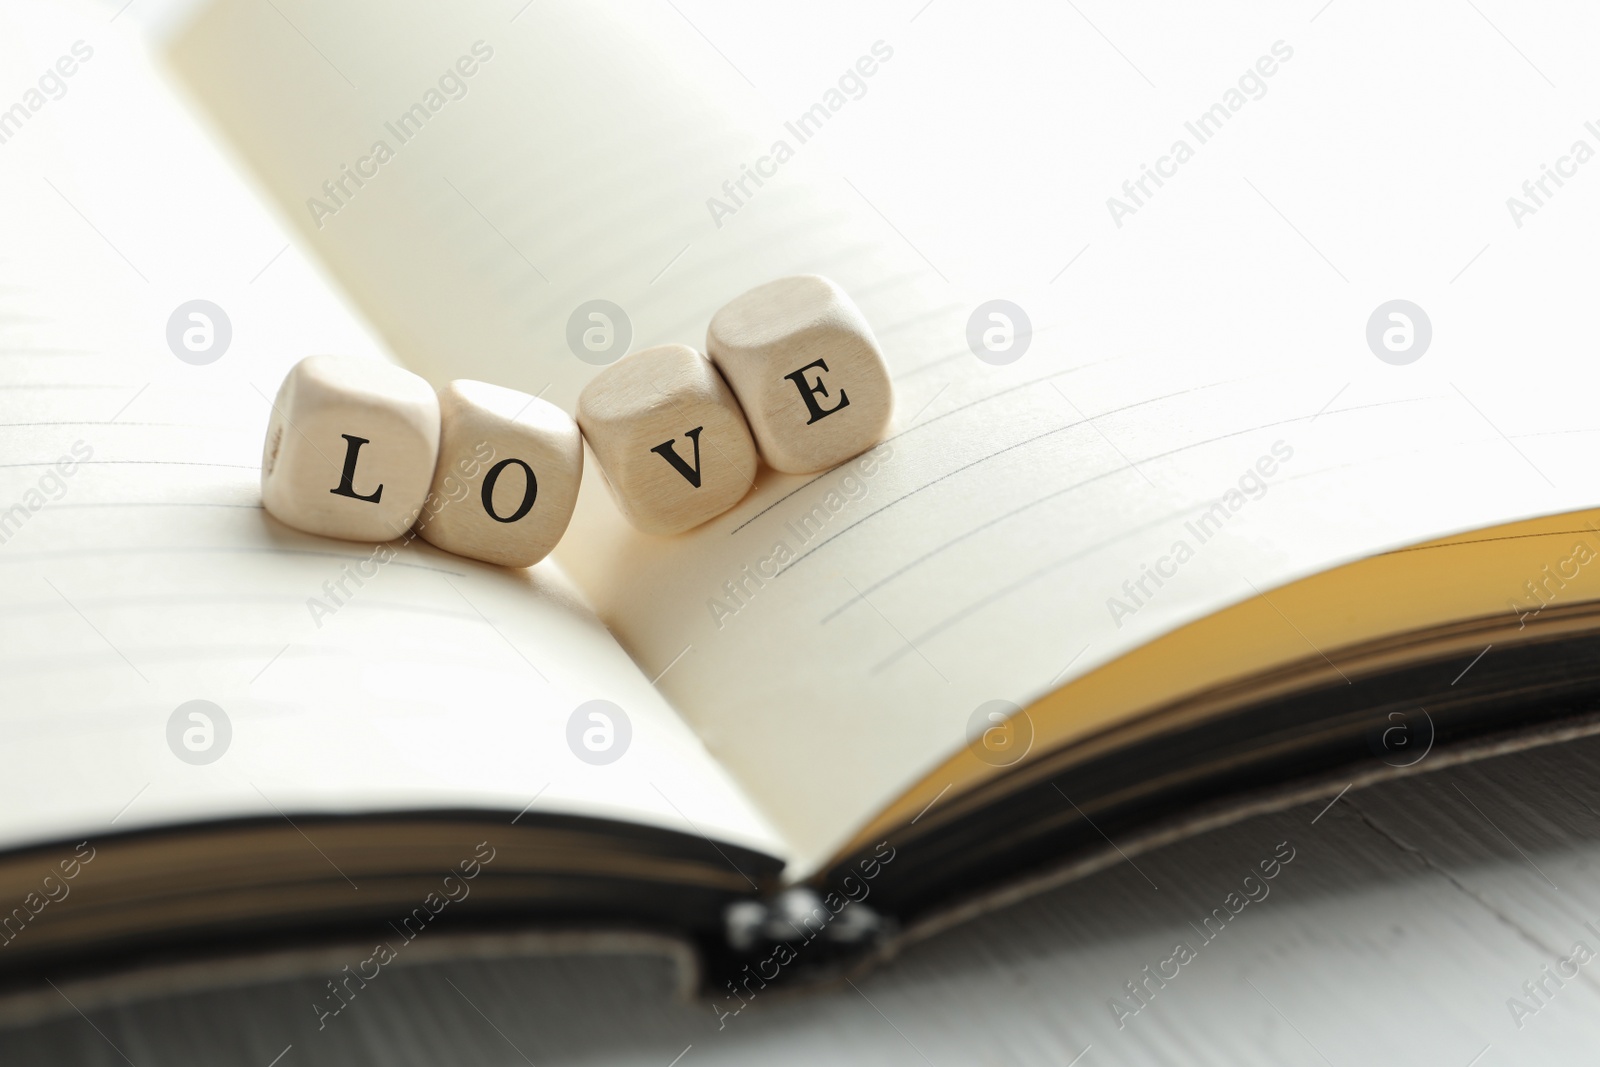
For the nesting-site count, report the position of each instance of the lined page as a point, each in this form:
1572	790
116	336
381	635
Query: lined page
1197	419
142	574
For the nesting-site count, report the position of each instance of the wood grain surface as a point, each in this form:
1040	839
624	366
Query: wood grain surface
1411	913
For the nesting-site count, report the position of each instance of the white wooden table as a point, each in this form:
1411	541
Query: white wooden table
1409	916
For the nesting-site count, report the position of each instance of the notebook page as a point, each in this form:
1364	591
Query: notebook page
1198	416
142	574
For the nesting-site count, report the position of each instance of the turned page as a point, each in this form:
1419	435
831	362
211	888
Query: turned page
140	573
1180	406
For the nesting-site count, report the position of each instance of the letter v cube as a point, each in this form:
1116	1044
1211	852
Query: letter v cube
802	360
350	448
670	438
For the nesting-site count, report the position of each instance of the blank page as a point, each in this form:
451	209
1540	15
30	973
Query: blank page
144	574
1198	373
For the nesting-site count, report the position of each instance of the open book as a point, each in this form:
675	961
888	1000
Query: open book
1196	550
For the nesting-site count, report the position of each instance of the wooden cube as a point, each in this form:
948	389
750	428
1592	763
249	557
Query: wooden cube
507	477
350	448
670	438
803	362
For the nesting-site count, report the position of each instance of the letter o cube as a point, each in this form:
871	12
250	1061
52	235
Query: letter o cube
507	477
803	362
350	448
669	437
